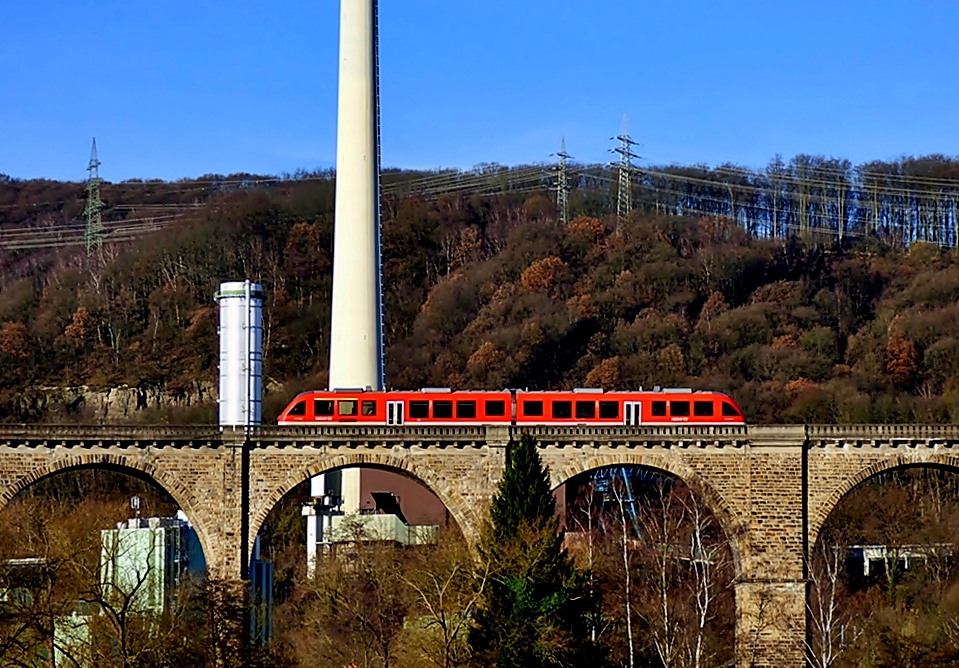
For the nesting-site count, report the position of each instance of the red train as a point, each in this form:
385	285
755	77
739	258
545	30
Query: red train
441	406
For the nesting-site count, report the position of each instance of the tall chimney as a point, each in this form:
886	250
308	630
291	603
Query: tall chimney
356	341
356	330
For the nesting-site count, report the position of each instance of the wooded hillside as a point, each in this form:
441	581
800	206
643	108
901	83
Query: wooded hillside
483	292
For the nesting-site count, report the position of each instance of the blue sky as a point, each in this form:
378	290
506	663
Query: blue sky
176	89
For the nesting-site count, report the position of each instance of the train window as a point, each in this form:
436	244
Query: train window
299	409
369	408
729	410
679	408
659	409
322	407
466	409
562	409
533	408
346	407
419	409
609	410
442	409
585	409
703	408
495	408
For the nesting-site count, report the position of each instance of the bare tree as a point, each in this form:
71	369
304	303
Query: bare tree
355	607
585	524
832	628
447	589
65	611
619	491
661	525
708	559
686	569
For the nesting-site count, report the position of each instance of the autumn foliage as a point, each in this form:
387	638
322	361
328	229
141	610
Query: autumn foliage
492	292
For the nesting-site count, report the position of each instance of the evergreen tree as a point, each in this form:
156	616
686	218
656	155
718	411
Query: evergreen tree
533	609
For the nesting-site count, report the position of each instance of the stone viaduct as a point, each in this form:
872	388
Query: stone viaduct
772	487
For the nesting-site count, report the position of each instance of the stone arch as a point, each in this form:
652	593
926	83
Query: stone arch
725	514
460	509
880	465
129	466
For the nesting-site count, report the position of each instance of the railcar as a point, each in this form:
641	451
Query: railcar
668	406
425	407
442	406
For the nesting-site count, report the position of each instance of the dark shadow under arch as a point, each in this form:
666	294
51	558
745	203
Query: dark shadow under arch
947	463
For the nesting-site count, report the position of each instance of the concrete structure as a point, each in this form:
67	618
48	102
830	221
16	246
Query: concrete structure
880	557
71	638
356	334
386	528
771	488
356	328
141	563
143	560
417	507
384	521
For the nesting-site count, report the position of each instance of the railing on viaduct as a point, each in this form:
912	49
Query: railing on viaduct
771	486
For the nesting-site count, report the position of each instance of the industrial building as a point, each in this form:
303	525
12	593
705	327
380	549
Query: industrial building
144	560
143	563
367	504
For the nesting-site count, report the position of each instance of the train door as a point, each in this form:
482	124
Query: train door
632	413
394	412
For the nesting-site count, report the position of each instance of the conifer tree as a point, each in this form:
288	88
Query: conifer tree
533	609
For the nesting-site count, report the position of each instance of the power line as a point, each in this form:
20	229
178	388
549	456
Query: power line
73	235
809	192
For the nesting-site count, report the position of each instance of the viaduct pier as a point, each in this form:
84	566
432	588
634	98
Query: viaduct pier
771	487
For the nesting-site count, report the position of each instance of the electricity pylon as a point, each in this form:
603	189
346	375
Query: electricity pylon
94	232
562	183
624	203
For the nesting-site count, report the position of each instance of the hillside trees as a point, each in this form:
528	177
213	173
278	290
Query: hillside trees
492	292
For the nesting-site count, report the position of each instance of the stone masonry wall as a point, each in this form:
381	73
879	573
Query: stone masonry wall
770	487
839	458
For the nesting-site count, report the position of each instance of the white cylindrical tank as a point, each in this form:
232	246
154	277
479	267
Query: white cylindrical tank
241	353
356	336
